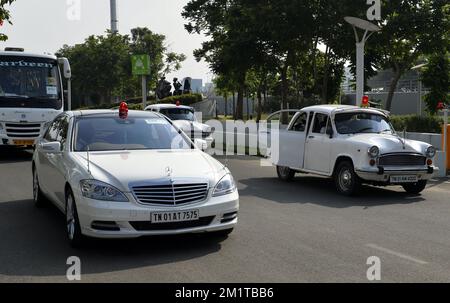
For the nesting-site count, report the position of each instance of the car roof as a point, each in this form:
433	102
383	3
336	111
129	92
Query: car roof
336	108
113	113
163	106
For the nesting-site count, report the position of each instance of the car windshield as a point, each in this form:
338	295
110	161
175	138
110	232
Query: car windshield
29	82
175	114
110	134
355	123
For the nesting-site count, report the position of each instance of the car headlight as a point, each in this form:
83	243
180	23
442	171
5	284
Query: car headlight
98	190
374	151
431	152
225	186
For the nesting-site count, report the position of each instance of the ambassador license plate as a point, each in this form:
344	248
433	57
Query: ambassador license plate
404	179
177	216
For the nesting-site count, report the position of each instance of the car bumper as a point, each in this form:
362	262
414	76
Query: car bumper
383	174
127	216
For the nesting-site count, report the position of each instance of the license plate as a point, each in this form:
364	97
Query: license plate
404	179
177	216
23	142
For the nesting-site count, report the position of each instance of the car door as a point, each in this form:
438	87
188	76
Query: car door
58	162
318	145
44	164
292	142
52	172
276	122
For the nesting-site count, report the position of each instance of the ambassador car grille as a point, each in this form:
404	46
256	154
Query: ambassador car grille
22	130
171	194
402	160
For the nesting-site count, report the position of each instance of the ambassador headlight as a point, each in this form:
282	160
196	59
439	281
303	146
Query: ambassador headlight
97	190
225	186
374	152
431	152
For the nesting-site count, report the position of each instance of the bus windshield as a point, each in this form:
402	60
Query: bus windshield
28	82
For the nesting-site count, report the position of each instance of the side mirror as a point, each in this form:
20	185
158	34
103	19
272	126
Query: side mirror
51	147
67	72
201	144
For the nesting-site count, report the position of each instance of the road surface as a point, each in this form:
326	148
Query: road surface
288	232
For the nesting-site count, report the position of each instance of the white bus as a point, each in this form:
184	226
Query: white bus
31	95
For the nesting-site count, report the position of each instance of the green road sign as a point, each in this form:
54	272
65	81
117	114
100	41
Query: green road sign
140	65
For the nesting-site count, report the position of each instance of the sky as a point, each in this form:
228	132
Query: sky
46	25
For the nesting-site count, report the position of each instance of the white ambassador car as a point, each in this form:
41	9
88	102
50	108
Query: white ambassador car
184	118
352	145
130	175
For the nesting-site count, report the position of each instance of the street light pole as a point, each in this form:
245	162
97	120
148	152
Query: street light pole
359	72
369	29
114	21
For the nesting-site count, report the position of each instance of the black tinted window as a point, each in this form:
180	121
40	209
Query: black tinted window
300	123
320	124
53	130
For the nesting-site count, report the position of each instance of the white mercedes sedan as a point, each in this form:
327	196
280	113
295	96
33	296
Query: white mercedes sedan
120	174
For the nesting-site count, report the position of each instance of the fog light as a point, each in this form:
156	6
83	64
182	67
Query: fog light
429	162
372	162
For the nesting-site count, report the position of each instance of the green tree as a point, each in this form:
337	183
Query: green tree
436	77
102	64
410	29
232	49
4	16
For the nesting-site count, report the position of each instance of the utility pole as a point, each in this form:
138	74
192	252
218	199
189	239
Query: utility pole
114	21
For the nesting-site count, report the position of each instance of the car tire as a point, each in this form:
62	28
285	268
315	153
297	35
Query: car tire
346	180
285	173
415	188
38	197
73	227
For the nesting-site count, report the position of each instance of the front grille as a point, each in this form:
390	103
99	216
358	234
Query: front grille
149	226
171	194
402	160
22	130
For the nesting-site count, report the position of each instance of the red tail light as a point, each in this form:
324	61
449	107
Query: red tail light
123	110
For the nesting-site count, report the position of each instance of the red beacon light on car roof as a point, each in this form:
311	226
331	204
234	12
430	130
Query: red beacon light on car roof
365	101
123	110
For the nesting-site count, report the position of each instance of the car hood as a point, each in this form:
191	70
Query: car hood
187	126
388	143
121	168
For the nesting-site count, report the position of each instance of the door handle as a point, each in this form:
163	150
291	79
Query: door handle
311	137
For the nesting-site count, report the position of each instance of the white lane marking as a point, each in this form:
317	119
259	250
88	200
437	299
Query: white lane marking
397	254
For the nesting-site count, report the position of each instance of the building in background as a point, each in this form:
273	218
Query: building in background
408	97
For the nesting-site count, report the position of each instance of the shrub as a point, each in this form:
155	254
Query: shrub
417	124
187	99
